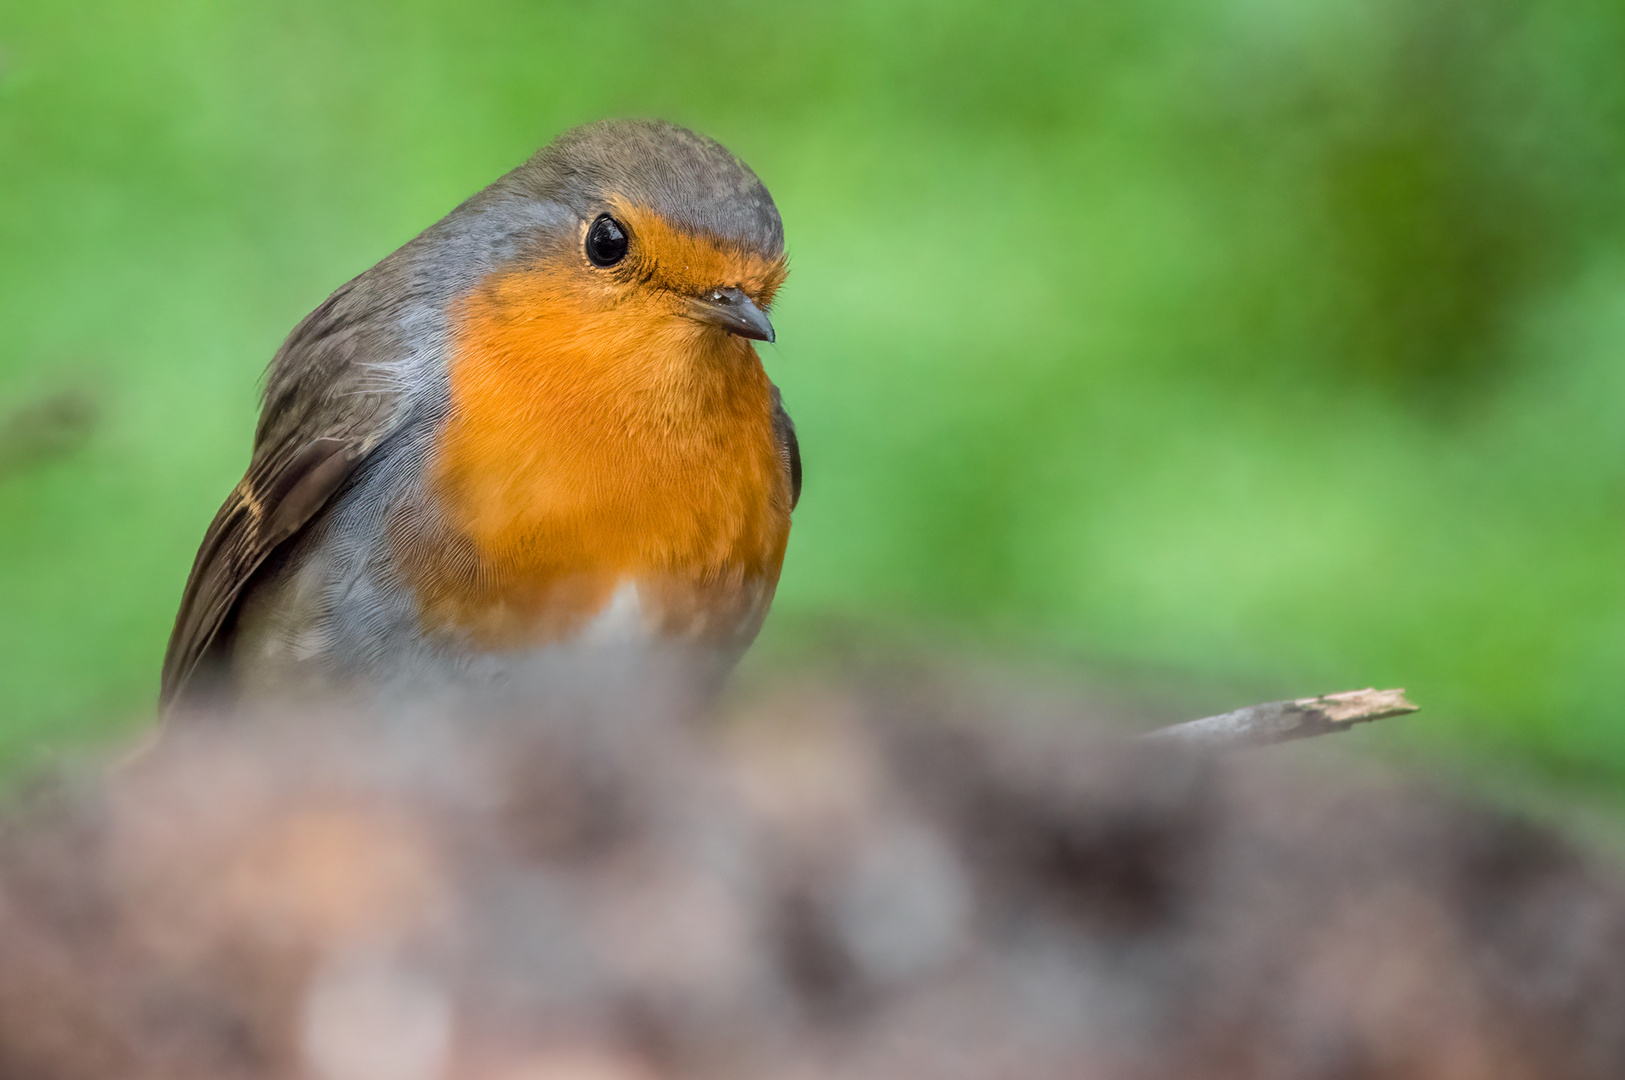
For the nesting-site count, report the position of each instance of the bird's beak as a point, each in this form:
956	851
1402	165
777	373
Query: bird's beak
734	312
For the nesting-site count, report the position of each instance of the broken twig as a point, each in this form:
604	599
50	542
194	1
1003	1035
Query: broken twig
1282	721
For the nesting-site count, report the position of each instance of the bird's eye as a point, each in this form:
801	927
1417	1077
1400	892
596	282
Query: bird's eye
606	241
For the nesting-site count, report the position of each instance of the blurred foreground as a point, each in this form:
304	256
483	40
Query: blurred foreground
908	876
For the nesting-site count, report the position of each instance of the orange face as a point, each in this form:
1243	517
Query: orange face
600	434
678	265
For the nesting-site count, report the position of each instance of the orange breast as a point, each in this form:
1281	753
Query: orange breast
597	437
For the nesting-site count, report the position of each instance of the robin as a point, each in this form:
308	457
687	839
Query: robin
539	425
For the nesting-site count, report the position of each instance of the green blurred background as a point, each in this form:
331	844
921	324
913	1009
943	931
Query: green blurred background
1251	346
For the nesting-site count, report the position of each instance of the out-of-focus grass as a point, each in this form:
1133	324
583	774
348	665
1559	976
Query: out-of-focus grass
1274	344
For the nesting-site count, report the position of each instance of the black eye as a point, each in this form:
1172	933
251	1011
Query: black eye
606	241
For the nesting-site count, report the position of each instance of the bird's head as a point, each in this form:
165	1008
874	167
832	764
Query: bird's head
651	241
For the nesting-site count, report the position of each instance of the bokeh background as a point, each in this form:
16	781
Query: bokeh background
1221	349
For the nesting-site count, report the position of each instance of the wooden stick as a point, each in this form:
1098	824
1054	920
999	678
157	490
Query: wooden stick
1282	721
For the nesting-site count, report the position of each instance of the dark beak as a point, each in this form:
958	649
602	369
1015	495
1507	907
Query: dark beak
734	312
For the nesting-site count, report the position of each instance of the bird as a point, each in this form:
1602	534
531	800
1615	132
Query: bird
541	427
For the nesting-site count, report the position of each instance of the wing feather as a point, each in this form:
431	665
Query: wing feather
327	406
789	446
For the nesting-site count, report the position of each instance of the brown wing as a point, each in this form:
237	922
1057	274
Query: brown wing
789	446
328	403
